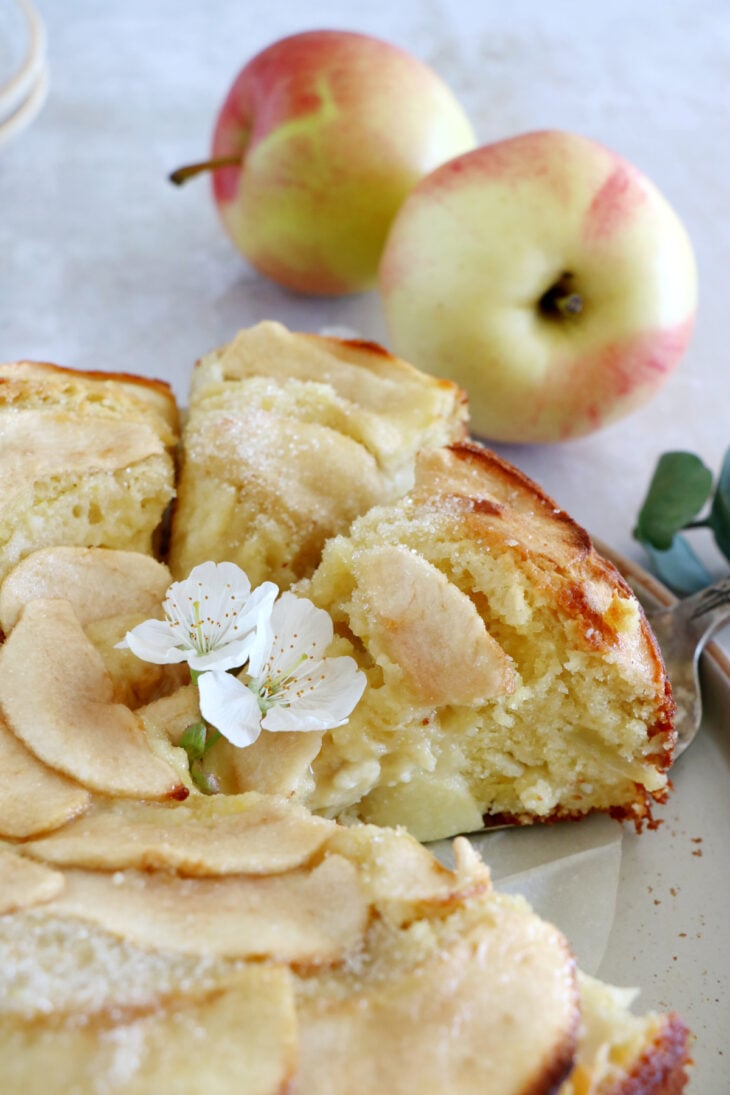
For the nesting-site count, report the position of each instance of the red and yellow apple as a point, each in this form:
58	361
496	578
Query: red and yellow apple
548	277
321	137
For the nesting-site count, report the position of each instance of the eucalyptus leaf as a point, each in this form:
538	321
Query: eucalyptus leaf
679	488
720	512
679	567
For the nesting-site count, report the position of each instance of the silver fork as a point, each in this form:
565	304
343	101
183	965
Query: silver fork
682	631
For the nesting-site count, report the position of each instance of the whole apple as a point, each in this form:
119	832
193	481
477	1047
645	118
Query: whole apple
319	140
545	275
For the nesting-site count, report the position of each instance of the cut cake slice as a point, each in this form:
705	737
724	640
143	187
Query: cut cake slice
512	676
86	458
289	438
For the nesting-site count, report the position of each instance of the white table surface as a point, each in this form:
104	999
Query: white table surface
104	264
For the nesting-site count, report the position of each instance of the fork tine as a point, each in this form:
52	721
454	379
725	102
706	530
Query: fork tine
682	632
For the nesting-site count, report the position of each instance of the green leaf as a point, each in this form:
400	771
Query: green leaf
679	488
720	513
679	567
193	740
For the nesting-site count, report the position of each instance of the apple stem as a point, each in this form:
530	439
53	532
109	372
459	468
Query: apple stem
561	301
570	305
182	174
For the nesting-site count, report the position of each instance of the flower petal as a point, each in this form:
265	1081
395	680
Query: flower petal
319	699
231	655
209	581
154	641
300	631
213	615
259	605
223	595
219	576
230	706
258	616
260	652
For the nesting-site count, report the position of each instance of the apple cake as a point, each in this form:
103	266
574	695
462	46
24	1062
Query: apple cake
242	944
85	458
289	437
154	938
512	676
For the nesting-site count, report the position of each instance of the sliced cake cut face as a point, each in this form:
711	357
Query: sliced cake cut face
512	674
289	438
99	468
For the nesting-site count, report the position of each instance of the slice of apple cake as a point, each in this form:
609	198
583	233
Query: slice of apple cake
85	458
511	673
289	438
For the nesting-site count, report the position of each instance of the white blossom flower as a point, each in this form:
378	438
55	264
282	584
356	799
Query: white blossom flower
228	705
212	620
291	684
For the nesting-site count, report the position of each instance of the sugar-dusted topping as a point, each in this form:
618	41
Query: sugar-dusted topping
56	964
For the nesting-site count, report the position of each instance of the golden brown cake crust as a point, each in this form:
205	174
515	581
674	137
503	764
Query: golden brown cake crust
597	566
554	1073
35	371
567	544
568	540
662	1067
